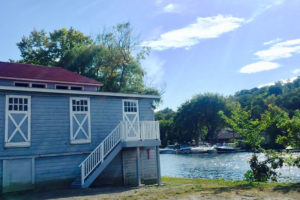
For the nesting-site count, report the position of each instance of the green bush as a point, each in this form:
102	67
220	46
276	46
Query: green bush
248	176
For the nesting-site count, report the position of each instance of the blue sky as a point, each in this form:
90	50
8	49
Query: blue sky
197	46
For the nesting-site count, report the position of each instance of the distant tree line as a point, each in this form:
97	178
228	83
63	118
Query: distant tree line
199	118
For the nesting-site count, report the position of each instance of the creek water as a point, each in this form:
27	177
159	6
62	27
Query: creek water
229	166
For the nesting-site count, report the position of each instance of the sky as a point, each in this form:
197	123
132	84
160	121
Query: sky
197	46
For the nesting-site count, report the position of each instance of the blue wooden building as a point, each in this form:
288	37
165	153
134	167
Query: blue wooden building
58	128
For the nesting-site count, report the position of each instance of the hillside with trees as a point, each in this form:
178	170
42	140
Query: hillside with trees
199	119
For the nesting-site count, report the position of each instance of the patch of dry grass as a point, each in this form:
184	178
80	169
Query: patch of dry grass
176	188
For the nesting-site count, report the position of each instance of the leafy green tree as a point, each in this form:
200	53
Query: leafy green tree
251	130
113	58
122	44
166	124
198	118
291	126
241	121
49	49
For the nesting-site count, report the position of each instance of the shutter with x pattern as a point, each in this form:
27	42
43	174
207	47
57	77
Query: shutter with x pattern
17	131
80	122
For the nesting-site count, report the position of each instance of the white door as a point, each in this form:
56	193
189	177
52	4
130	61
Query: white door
131	119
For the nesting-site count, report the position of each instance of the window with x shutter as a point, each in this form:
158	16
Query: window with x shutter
80	125
17	121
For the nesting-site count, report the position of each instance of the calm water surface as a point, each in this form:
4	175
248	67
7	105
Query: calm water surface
229	166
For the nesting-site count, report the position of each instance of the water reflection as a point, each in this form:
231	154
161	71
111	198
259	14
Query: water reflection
229	166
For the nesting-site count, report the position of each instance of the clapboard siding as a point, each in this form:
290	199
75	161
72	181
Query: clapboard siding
146	113
50	134
148	165
6	83
57	168
1	174
129	166
112	174
50	123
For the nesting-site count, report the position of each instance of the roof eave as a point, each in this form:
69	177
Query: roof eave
75	92
51	81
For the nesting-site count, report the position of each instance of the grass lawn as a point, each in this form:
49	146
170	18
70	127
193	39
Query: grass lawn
175	188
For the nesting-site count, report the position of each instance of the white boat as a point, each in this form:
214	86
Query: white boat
225	148
203	149
168	150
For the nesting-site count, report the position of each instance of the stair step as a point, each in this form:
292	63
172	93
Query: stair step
76	183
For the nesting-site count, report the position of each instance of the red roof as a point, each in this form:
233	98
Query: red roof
38	73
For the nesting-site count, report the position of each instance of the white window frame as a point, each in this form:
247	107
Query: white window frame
30	84
72	139
45	84
130	100
77	87
68	87
8	112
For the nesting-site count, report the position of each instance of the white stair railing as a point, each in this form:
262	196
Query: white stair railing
100	152
148	130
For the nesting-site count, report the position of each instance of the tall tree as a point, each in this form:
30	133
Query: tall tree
49	49
166	124
198	118
123	44
113	58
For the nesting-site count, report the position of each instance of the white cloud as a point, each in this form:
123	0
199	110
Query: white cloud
172	8
277	50
272	41
282	81
204	28
290	80
258	67
264	6
296	71
280	50
154	70
266	85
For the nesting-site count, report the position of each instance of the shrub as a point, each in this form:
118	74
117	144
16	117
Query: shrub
248	176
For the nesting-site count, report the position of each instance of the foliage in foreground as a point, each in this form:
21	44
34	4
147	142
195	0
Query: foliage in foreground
251	130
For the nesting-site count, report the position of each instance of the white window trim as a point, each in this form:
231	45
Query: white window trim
29	84
130	100
77	87
45	84
7	112
69	87
63	86
72	139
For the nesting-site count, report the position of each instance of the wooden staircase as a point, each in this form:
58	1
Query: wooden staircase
98	170
108	149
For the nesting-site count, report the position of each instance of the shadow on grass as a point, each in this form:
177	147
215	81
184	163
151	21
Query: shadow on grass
63	193
218	190
287	188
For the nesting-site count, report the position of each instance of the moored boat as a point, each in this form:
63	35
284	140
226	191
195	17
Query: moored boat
203	149
170	149
225	149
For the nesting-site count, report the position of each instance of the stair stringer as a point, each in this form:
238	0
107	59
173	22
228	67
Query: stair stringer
92	177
